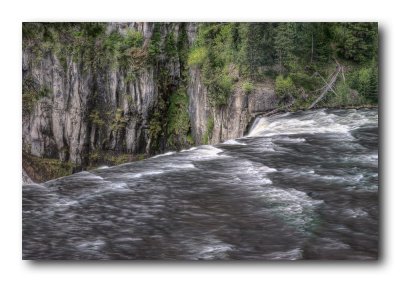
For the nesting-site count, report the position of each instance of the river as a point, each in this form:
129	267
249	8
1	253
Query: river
301	185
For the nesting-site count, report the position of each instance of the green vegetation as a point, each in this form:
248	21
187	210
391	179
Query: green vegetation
209	130
366	82
361	87
93	49
356	41
302	53
96	118
214	52
157	126
178	122
197	56
247	87
226	53
111	158
86	43
306	49
31	93
169	125
155	44
342	96
44	169
284	88
119	121
170	45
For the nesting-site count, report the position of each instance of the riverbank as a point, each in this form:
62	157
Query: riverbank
43	169
40	170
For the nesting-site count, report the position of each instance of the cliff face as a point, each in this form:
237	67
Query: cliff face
80	109
231	121
88	110
58	125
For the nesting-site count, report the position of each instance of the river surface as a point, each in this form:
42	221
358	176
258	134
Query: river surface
300	186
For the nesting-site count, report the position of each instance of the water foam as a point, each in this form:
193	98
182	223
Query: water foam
291	140
294	254
161	169
252	173
91	245
233	142
315	122
65	203
208	248
141	174
354	213
294	206
163	155
179	166
102	167
297	126
205	152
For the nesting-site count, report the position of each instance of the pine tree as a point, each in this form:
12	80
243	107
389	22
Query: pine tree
356	41
285	45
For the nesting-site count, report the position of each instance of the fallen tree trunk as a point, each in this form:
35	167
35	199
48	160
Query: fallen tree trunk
277	110
328	85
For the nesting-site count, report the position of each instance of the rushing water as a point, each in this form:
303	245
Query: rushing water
299	186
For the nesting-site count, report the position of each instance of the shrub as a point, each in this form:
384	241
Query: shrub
94	157
189	139
141	157
170	45
197	56
209	130
342	93
119	121
308	82
154	48
344	96
43	169
32	92
155	127
96	119
365	81
120	159
284	87
219	89
178	119
133	39
247	87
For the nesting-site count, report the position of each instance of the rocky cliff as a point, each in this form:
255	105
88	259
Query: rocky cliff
122	88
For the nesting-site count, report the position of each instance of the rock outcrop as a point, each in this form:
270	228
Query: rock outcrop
89	110
100	109
25	178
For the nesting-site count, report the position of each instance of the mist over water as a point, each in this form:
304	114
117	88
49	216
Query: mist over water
300	186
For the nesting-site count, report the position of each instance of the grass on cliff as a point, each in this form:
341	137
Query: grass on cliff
98	158
44	169
178	125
